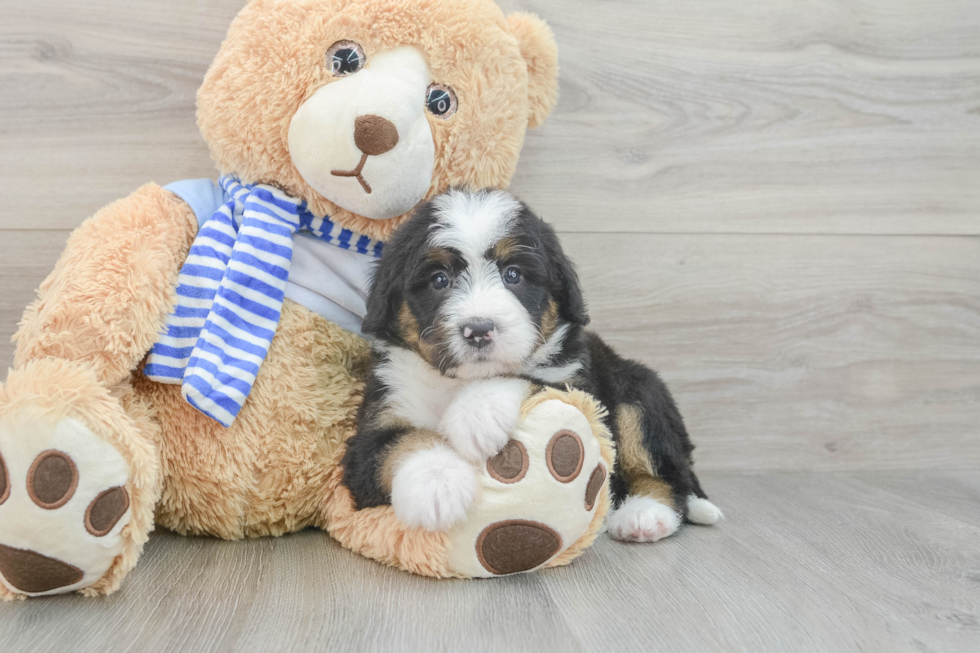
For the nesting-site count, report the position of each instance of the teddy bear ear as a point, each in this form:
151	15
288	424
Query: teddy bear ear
537	43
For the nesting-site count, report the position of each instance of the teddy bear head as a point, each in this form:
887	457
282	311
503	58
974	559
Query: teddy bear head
365	108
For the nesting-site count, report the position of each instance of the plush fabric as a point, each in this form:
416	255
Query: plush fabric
230	293
271	62
549	501
40	397
328	280
82	345
105	302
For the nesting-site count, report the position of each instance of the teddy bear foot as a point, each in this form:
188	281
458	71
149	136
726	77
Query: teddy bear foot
72	516
542	498
63	506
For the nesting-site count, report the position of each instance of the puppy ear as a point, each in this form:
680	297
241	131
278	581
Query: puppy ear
390	282
383	300
538	47
571	302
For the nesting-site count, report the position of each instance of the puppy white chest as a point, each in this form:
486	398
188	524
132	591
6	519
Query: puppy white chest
416	391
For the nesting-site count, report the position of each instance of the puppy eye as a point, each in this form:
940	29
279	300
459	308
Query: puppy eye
512	275
345	58
441	101
440	280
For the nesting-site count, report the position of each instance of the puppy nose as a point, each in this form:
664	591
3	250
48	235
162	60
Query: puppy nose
375	135
477	333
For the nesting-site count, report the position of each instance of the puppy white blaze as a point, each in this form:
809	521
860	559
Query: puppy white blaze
472	222
480	293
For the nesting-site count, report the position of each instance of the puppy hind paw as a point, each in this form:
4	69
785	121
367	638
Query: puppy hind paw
433	489
642	519
702	511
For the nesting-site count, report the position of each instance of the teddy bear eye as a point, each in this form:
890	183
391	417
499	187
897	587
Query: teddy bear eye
440	100
345	58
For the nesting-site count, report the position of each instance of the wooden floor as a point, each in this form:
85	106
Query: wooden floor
878	561
775	203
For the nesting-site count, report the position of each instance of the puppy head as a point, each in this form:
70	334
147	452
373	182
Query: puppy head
476	284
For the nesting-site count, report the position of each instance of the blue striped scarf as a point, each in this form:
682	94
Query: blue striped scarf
230	293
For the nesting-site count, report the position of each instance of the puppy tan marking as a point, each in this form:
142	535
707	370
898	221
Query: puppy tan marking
413	441
504	248
634	462
408	325
439	255
409	329
549	321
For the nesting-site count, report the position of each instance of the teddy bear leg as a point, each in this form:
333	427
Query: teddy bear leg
538	503
543	497
79	478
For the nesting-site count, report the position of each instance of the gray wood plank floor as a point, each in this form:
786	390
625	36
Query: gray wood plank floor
785	352
874	561
775	203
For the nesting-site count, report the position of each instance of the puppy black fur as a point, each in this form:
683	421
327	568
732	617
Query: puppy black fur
653	446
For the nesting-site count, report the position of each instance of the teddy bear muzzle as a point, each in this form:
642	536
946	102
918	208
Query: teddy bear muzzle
373	135
363	141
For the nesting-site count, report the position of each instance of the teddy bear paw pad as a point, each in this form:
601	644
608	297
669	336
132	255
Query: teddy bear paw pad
517	545
537	496
63	506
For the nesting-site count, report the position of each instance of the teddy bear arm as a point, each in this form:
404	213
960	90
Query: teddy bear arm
105	302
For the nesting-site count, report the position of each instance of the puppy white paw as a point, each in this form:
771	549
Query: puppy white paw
433	489
702	511
642	519
481	417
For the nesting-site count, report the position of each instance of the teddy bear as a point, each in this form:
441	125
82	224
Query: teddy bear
194	359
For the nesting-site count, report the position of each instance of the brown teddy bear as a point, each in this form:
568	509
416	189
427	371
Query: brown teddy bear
329	121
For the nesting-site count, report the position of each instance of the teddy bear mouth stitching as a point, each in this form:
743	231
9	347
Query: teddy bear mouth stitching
356	172
373	135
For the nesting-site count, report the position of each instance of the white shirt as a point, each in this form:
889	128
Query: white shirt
323	278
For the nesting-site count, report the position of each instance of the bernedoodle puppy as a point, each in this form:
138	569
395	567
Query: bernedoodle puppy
476	308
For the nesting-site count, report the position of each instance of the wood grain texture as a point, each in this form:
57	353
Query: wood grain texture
26	258
801	352
97	99
783	117
708	165
834	116
784	352
803	562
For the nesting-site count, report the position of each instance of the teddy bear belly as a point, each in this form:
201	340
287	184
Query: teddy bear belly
267	473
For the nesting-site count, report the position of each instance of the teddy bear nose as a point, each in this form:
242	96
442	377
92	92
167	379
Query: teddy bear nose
375	135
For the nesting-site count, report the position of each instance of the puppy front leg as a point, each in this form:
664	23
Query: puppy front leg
431	486
425	481
482	416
